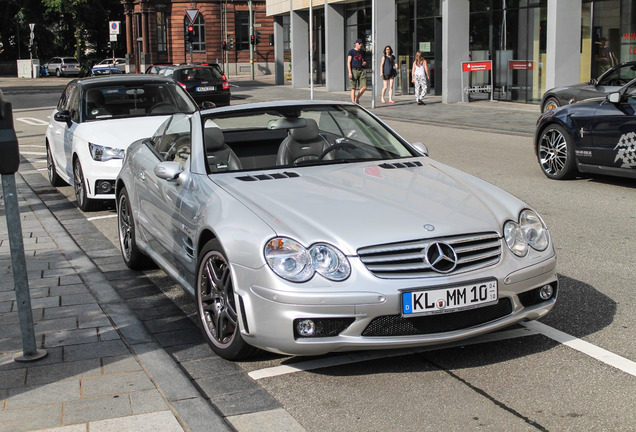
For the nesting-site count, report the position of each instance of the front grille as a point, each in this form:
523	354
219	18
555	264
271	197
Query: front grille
396	325
407	259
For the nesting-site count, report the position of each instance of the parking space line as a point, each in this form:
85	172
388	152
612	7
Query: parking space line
101	217
358	357
580	345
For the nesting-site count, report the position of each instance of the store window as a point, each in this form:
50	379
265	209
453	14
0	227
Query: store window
242	27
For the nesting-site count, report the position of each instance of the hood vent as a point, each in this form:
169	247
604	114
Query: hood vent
410	164
273	176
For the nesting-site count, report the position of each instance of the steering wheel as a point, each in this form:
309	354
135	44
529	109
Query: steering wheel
616	82
340	145
162	108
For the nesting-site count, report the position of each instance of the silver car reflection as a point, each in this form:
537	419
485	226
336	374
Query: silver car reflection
308	227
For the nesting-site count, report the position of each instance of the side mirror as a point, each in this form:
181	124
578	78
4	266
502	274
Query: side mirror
421	148
63	116
168	170
614	97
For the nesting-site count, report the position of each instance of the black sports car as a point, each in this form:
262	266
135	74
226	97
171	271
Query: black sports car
594	136
610	81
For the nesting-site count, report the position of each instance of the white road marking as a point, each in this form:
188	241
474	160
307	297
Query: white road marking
373	355
33	153
32	121
580	345
101	217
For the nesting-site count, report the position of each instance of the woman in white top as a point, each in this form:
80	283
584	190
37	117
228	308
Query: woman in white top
420	75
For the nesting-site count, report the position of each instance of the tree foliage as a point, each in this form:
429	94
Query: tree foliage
62	27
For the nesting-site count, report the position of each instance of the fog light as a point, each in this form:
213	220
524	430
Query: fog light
546	292
305	327
104	187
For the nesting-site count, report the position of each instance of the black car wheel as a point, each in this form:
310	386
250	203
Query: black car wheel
50	168
550	103
133	257
556	154
218	314
83	202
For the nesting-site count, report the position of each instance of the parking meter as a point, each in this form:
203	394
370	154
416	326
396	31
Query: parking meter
9	152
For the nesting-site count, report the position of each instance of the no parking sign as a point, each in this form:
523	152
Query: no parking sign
113	26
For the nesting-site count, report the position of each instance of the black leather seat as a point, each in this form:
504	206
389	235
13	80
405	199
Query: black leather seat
302	144
220	155
95	104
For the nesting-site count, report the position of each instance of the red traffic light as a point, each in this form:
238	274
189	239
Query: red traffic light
252	40
190	28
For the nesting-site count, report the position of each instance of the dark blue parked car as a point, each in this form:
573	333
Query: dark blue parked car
595	136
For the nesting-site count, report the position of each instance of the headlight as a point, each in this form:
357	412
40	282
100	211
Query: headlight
292	261
103	154
530	231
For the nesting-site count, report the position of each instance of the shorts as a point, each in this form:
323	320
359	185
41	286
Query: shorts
358	79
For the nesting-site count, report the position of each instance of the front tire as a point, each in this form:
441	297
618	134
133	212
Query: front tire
555	153
133	257
54	179
216	303
79	184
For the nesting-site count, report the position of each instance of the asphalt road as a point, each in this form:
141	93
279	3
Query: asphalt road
573	371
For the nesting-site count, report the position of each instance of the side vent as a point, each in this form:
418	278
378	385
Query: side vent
273	176
410	164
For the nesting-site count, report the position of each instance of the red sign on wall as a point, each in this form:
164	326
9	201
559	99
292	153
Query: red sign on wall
476	66
520	65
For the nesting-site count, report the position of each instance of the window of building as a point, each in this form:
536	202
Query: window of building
162	32
286	32
242	28
198	43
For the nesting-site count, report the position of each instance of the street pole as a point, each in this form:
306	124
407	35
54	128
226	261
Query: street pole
373	53
311	50
226	64
251	45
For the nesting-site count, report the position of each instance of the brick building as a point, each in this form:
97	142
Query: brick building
155	31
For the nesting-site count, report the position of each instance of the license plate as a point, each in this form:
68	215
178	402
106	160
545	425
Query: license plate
449	299
204	89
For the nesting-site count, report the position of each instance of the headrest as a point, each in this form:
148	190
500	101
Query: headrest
213	138
307	133
95	96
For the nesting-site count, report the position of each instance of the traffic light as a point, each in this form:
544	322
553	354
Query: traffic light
252	40
258	37
224	45
231	43
190	34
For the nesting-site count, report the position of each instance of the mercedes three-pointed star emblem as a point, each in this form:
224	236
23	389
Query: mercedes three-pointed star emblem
441	257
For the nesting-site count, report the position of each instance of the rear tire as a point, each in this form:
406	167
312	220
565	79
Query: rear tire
55	179
133	257
217	306
555	153
550	103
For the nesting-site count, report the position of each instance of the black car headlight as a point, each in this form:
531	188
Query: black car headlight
528	232
292	261
103	154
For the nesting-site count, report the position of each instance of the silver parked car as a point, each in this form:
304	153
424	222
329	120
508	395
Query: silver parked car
308	227
62	66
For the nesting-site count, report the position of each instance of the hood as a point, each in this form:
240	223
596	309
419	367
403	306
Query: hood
362	204
119	133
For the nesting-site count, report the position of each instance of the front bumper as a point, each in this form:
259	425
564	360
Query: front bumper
369	309
96	172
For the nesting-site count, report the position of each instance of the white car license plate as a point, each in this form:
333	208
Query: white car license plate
204	89
449	299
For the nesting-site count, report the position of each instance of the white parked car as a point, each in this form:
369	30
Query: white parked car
94	122
303	227
62	66
119	63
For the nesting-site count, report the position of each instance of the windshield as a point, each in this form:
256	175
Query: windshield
135	99
304	135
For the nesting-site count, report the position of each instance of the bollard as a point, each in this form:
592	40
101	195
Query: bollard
9	164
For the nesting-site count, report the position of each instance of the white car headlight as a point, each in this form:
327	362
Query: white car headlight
103	154
292	261
530	231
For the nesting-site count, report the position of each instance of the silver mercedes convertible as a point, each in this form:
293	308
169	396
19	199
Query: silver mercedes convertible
306	227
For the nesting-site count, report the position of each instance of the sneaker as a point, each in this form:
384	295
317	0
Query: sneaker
419	102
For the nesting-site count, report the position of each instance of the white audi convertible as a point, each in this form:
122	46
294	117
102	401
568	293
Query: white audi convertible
309	227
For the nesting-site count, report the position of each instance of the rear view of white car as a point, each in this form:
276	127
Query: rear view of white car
95	121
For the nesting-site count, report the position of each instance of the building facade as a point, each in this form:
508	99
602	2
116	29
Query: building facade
529	45
156	31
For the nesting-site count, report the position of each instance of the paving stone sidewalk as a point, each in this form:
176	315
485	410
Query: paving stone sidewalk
103	371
